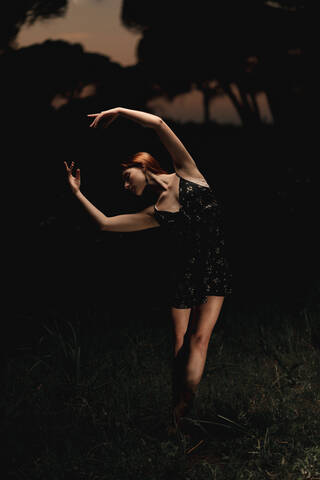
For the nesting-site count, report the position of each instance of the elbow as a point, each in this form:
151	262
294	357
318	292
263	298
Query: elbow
103	227
104	223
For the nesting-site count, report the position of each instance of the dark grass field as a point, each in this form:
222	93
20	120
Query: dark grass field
91	400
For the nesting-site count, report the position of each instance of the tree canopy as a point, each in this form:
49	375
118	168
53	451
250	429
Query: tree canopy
19	12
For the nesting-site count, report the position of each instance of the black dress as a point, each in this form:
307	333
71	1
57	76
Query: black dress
199	267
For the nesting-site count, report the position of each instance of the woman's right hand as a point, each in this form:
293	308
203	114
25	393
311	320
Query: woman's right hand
73	181
107	115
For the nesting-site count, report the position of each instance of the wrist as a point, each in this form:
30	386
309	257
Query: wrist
76	193
158	122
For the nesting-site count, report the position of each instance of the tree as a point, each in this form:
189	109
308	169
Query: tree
19	12
246	44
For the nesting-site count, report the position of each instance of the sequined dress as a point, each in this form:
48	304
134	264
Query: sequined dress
200	267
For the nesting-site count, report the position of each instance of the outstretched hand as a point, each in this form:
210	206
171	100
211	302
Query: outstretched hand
108	115
73	181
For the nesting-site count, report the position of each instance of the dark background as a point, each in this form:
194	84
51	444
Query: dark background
85	345
264	174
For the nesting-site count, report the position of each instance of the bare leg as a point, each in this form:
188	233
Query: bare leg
194	354
180	319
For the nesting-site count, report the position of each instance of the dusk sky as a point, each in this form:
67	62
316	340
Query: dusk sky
96	24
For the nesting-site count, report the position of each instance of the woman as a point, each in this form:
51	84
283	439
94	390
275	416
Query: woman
190	213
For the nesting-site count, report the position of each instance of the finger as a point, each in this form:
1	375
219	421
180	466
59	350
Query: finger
93	123
67	168
78	174
92	114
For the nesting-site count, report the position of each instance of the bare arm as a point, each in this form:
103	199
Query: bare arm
119	223
143	118
131	222
183	162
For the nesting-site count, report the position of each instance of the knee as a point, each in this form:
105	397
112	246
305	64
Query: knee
199	341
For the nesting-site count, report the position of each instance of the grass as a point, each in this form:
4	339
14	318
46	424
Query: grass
95	407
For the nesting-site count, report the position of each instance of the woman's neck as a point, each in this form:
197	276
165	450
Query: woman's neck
158	182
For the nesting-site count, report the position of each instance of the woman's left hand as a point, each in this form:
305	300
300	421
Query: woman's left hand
108	115
74	182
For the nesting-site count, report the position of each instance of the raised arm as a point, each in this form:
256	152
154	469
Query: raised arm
131	222
182	160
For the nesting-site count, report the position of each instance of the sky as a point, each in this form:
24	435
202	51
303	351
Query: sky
96	24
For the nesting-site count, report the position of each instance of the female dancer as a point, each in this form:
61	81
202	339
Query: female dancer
189	211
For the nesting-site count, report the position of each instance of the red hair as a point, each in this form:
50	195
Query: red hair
144	160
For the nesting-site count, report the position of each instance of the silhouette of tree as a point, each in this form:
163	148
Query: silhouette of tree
43	71
239	44
19	12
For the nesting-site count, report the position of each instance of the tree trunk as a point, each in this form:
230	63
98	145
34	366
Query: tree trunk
237	105
256	110
249	113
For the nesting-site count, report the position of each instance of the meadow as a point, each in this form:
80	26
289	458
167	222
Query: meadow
91	400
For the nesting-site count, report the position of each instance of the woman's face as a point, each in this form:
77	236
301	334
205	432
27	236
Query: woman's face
134	180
